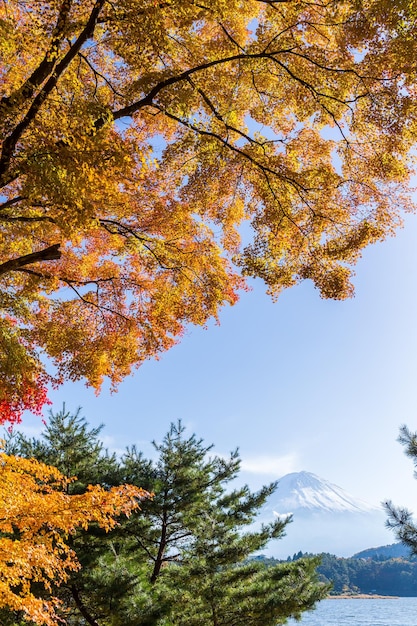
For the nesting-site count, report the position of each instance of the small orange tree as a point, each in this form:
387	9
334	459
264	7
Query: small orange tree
36	517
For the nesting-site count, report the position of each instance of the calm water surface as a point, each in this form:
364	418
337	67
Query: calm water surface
389	612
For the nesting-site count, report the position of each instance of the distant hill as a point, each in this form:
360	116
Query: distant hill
395	576
382	553
390	577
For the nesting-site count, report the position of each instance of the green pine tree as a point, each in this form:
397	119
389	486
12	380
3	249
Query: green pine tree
185	558
185	481
197	537
401	519
69	444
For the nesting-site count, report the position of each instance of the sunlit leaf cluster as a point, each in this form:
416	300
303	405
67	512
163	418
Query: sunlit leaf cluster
37	516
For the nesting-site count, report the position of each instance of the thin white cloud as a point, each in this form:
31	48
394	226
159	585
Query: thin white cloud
266	464
110	444
27	431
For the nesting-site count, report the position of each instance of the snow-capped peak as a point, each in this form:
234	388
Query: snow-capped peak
304	491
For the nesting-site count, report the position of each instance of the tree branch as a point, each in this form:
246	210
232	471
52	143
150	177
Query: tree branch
52	253
147	100
11	202
22	218
10	142
47	64
81	607
225	142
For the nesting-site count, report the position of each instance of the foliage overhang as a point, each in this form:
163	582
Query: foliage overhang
107	252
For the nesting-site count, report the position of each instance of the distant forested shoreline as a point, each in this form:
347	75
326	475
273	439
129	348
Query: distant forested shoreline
375	574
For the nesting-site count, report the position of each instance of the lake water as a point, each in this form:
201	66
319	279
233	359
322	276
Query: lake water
378	612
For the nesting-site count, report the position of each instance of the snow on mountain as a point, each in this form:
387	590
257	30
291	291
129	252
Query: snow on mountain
326	518
302	491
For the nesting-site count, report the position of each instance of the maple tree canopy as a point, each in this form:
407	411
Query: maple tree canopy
36	517
139	137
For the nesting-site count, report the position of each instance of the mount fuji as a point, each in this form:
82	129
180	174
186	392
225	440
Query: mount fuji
303	491
326	518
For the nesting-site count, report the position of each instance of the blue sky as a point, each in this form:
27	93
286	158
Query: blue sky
300	384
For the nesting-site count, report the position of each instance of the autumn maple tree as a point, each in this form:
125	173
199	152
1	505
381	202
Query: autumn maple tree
138	136
37	515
